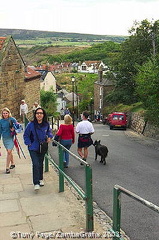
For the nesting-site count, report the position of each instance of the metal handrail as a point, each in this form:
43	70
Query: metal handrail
87	195
117	207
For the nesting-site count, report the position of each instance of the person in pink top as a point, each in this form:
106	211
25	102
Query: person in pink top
67	137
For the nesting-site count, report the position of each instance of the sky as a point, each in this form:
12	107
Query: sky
103	17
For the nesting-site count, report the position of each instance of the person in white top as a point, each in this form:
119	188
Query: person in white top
85	129
23	110
35	106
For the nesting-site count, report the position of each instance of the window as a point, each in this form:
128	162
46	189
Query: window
83	67
100	104
100	91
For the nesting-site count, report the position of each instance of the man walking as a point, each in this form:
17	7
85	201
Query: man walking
23	110
85	129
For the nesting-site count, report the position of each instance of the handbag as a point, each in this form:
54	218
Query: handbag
43	146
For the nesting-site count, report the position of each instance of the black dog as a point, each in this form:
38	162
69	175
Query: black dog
100	150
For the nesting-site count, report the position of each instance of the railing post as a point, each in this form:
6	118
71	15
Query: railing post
25	121
61	177
46	163
58	123
89	199
116	211
52	122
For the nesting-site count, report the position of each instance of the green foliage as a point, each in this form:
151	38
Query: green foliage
136	107
84	86
48	102
86	90
135	51
103	52
147	81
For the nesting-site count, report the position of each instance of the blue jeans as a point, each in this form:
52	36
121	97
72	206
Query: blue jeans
37	166
67	144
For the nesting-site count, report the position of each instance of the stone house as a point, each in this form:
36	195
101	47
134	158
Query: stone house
17	82
32	88
101	88
48	81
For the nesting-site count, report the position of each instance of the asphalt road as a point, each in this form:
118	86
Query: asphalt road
132	163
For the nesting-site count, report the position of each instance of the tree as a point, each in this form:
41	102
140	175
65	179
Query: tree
48	102
86	90
103	52
136	50
147	81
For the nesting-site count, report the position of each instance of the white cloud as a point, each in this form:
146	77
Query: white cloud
84	16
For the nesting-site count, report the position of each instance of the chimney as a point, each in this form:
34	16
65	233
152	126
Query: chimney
100	74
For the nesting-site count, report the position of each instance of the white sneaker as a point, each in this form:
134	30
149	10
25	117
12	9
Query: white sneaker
36	187
41	183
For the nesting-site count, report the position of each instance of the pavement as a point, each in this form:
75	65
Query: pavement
46	214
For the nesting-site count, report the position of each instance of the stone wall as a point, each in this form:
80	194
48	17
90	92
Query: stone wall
32	94
11	79
138	124
96	96
13	87
151	131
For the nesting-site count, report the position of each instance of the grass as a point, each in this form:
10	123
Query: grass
136	107
49	42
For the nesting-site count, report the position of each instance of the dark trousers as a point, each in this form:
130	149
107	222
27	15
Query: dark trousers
67	144
37	166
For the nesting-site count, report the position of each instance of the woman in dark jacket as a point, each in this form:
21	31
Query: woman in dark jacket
36	133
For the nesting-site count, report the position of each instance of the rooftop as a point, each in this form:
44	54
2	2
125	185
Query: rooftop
2	41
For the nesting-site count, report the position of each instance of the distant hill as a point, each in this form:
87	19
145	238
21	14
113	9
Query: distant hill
22	34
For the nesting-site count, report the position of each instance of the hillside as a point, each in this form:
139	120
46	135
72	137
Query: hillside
38	46
22	34
38	54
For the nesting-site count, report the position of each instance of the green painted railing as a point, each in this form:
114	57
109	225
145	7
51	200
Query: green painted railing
87	195
117	208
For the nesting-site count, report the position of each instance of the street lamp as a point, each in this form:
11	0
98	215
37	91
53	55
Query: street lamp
77	100
73	105
91	108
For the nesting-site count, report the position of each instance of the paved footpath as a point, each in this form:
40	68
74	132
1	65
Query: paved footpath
25	214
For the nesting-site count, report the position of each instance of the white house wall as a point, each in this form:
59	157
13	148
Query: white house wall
48	82
90	69
60	104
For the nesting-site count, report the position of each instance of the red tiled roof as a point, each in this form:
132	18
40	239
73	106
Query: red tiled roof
2	40
31	73
65	64
52	67
47	67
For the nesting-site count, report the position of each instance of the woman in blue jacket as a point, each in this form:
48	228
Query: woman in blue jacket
37	132
7	137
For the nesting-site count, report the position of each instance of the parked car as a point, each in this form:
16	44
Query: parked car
117	120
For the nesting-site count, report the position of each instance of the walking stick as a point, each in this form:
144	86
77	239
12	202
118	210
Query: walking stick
20	147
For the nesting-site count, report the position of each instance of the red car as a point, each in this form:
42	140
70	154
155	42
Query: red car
117	120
